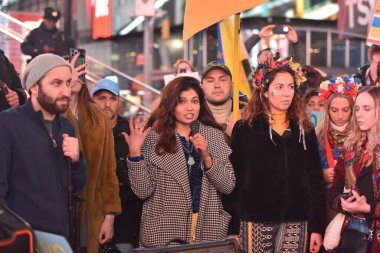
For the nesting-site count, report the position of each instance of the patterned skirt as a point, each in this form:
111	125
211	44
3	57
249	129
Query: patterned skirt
270	237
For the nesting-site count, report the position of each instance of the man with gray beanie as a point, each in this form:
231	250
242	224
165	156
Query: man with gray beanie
37	149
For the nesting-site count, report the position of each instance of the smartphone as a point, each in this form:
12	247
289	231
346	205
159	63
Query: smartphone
3	88
81	59
280	29
346	195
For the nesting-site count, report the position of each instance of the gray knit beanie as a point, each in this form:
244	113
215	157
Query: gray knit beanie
39	66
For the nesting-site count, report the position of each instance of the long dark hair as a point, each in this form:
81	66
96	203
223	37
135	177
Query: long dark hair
165	119
85	100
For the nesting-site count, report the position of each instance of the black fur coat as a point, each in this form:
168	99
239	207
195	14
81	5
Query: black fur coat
275	181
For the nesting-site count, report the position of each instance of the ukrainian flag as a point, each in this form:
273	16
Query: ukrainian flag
225	29
374	31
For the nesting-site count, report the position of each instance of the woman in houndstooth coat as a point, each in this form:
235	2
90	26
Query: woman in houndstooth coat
180	167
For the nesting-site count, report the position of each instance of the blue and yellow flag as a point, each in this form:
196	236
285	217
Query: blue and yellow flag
225	30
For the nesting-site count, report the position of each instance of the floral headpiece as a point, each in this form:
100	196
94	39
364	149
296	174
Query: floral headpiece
344	85
262	71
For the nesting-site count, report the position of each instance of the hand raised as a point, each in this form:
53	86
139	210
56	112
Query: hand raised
77	71
266	31
292	34
137	136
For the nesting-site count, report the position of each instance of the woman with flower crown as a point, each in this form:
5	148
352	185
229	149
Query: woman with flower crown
358	171
278	201
338	95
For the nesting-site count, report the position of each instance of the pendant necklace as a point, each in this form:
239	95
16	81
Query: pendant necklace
189	148
190	161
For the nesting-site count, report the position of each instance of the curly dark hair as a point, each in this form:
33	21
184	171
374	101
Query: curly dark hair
259	104
165	119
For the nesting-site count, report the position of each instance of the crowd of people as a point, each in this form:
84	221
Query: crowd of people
272	179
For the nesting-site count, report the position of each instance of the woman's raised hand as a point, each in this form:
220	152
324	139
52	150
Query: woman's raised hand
137	136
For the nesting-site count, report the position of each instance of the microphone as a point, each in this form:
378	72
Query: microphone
194	126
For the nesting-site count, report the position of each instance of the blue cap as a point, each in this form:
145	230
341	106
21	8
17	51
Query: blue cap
106	84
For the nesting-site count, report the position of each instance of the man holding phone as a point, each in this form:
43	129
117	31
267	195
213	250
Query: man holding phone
268	31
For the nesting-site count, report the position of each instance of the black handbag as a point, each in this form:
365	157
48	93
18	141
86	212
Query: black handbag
353	241
109	247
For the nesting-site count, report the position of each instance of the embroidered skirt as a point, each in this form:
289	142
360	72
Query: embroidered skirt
269	237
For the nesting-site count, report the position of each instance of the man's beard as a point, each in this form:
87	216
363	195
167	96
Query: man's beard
218	103
49	104
110	114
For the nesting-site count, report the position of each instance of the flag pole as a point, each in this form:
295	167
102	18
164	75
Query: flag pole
236	71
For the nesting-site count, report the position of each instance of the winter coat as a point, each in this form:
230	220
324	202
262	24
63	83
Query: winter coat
276	181
163	182
101	191
40	37
33	169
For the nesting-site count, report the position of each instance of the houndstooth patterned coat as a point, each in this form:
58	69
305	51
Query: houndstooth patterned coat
163	182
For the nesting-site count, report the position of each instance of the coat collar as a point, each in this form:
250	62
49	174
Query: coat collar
260	123
36	116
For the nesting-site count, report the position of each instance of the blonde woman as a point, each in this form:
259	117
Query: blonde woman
359	171
338	94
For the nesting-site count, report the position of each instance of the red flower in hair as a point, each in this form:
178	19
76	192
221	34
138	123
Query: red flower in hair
259	76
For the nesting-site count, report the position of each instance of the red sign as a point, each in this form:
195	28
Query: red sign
101	19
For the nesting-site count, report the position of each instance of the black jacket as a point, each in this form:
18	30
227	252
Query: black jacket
34	171
39	37
11	78
275	182
127	224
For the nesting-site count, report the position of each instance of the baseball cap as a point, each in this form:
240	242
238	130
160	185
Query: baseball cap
106	84
51	14
215	65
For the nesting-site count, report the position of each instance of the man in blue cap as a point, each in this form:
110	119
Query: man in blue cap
106	93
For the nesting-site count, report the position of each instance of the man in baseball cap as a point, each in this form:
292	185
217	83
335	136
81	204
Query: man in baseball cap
106	93
217	87
51	14
47	38
215	65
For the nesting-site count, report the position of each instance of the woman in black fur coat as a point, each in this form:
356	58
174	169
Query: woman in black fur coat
278	202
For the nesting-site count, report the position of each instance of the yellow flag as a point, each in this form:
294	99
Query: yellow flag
227	52
200	14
